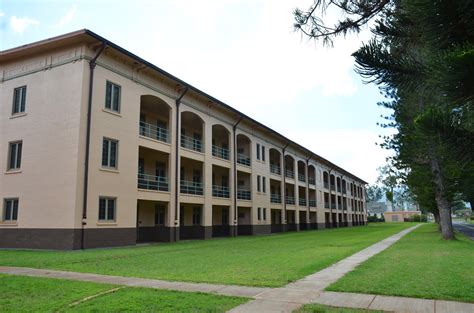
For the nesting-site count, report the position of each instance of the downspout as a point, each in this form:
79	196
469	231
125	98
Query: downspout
92	64
284	180
234	144
307	188
176	177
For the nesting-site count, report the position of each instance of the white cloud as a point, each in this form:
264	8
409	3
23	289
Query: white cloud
20	24
66	19
2	14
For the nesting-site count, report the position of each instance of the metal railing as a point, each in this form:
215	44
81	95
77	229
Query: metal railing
333	187
191	143
152	182
301	177
326	185
290	200
344	191
312	181
154	132
344	206
219	152
338	189
275	198
191	188
302	201
244	194
243	159
333	206
326	205
289	174
275	169
312	203
220	191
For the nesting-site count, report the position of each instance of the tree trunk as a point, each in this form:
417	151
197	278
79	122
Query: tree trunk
442	202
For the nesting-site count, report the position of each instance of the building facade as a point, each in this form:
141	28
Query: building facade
102	148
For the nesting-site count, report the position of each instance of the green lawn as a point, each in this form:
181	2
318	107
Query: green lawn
253	261
31	294
318	308
420	265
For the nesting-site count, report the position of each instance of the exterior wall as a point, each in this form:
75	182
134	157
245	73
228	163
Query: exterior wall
43	130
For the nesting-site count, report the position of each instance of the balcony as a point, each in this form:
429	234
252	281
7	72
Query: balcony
290	200
344	206
302	201
301	178
333	187
243	159
326	185
154	132
220	191
243	194
290	174
152	182
326	205
333	206
344	191
312	203
219	152
191	188
312	181
275	198
275	169
191	143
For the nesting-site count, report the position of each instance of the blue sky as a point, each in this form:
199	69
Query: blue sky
244	53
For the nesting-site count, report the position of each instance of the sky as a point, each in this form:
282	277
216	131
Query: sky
244	53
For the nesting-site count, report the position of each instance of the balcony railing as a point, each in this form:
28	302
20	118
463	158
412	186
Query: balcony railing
289	174
290	200
154	132
302	201
191	143
344	206
344	191
243	159
333	206
191	188
275	169
312	181
326	205
219	152
244	194
333	187
312	203
152	182
338	189
326	185
220	191
301	177
275	198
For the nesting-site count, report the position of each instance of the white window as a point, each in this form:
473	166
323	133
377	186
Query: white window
109	153
14	155
10	209
19	100
107	209
112	97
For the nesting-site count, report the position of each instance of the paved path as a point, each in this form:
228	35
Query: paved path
465	228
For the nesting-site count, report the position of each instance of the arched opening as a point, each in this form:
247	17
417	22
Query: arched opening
338	184
243	150
289	167
220	142
344	185
312	175
192	131
332	182
301	171
275	160
326	180
154	118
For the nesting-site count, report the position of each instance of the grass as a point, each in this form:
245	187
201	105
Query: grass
420	265
31	294
318	308
270	261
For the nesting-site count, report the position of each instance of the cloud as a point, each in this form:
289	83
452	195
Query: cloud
2	14
66	19
20	24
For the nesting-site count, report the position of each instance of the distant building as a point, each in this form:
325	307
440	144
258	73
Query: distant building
378	208
399	216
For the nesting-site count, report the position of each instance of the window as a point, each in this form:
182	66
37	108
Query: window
264	214
225	216
106	209
263	153
10	210
196	216
264	184
259	214
258	183
258	151
112	97
19	100
109	153
159	215
14	155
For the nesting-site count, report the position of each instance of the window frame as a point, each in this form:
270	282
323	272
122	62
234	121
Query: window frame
258	183
106	218
18	155
263	153
264	184
109	153
13	211
258	151
22	103
112	98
